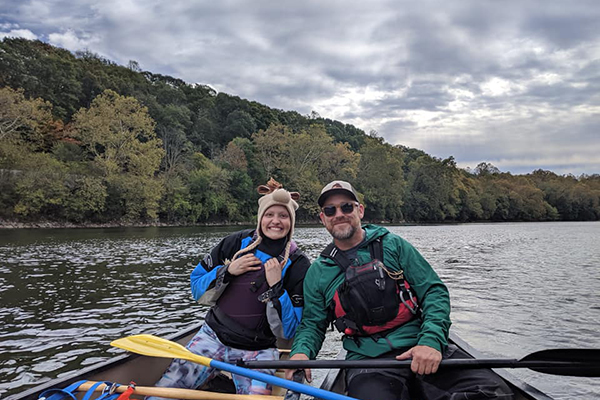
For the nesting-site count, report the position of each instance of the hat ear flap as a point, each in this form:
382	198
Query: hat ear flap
295	196
263	189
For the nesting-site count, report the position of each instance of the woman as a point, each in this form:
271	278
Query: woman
253	281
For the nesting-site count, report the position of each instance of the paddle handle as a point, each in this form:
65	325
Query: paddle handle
185	394
276	381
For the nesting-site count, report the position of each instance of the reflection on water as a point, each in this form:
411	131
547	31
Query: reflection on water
65	294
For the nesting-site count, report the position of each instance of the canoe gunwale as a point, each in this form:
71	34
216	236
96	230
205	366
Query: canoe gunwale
526	391
33	393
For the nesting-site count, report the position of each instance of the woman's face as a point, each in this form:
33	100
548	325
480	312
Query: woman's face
276	222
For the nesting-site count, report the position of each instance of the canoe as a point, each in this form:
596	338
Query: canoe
145	371
142	370
334	380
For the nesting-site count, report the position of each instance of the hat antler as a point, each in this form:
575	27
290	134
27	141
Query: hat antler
272	186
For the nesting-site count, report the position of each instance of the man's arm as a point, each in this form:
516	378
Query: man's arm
311	332
434	300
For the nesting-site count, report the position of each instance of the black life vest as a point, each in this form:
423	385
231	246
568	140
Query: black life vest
371	300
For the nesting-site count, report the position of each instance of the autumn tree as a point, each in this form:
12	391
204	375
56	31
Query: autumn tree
119	137
25	125
304	160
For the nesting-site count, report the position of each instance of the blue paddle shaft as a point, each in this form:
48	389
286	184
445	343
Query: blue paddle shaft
274	380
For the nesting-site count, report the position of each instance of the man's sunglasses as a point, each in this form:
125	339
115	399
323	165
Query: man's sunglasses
346	208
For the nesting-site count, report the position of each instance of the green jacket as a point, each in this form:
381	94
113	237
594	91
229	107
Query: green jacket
324	277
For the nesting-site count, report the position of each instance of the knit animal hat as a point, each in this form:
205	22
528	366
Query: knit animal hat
274	195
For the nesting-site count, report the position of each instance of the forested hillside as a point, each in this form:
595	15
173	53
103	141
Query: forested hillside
84	140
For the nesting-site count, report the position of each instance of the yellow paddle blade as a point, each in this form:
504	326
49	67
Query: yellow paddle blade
154	346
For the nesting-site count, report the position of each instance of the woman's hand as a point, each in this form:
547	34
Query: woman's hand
273	270
245	263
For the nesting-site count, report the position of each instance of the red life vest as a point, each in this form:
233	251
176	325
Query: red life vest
371	300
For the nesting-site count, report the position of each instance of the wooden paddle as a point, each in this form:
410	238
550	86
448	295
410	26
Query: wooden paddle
175	393
569	362
155	346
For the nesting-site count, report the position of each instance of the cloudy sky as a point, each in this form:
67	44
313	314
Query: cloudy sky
513	83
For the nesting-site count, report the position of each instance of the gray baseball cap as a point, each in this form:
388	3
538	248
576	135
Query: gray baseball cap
336	187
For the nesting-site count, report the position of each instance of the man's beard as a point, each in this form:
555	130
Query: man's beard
343	233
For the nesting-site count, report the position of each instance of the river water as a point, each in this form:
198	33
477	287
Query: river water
65	294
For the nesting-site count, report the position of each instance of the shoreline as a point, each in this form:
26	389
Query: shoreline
70	225
7	225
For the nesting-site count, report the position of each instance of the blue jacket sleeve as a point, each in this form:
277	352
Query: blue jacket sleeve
207	286
209	278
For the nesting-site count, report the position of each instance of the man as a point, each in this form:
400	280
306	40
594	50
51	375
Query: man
390	303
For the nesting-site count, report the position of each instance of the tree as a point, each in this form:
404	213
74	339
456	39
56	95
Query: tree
381	180
175	204
209	191
40	191
302	160
233	157
119	136
269	145
486	169
238	124
432	192
25	125
171	128
43	71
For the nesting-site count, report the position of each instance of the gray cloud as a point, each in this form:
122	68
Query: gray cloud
515	83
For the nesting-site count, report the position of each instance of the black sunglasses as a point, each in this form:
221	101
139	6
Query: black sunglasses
346	208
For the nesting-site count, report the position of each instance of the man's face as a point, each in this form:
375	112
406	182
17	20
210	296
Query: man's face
342	226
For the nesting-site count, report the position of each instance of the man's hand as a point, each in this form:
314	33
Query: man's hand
273	270
290	372
244	264
425	359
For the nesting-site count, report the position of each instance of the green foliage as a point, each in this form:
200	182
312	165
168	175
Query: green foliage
344	133
209	194
8	194
86	198
40	188
470	197
574	200
119	137
381	180
303	161
432	190
175	206
23	123
83	139
42	71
